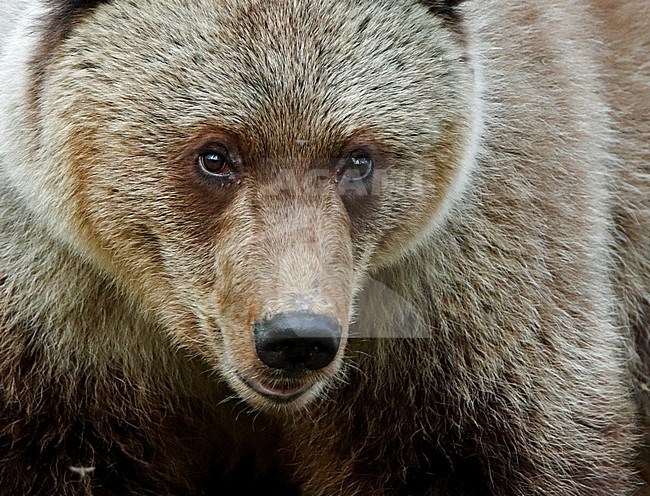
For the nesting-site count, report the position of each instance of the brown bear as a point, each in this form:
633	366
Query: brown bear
335	247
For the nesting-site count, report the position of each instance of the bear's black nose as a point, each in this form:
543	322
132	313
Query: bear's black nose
297	342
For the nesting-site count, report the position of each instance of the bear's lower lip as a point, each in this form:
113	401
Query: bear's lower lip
277	392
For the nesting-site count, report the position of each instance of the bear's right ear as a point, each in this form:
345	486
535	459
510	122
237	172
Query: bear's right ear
64	13
72	8
75	4
62	16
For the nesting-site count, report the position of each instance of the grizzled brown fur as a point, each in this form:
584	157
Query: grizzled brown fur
489	276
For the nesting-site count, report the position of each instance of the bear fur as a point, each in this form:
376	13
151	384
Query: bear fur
490	276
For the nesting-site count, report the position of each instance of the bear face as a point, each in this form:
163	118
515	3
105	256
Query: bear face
228	175
256	162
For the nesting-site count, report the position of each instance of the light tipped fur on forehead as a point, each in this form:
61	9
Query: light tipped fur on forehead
305	66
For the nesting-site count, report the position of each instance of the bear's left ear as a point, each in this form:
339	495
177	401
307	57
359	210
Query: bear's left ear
441	4
445	9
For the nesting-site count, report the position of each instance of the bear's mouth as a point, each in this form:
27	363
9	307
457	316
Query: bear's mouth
279	391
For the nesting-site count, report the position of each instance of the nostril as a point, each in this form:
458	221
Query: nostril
293	342
298	353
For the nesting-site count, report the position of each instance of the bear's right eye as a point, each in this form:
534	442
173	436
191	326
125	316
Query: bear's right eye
215	163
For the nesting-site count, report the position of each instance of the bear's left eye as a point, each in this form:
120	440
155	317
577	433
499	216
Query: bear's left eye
357	166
